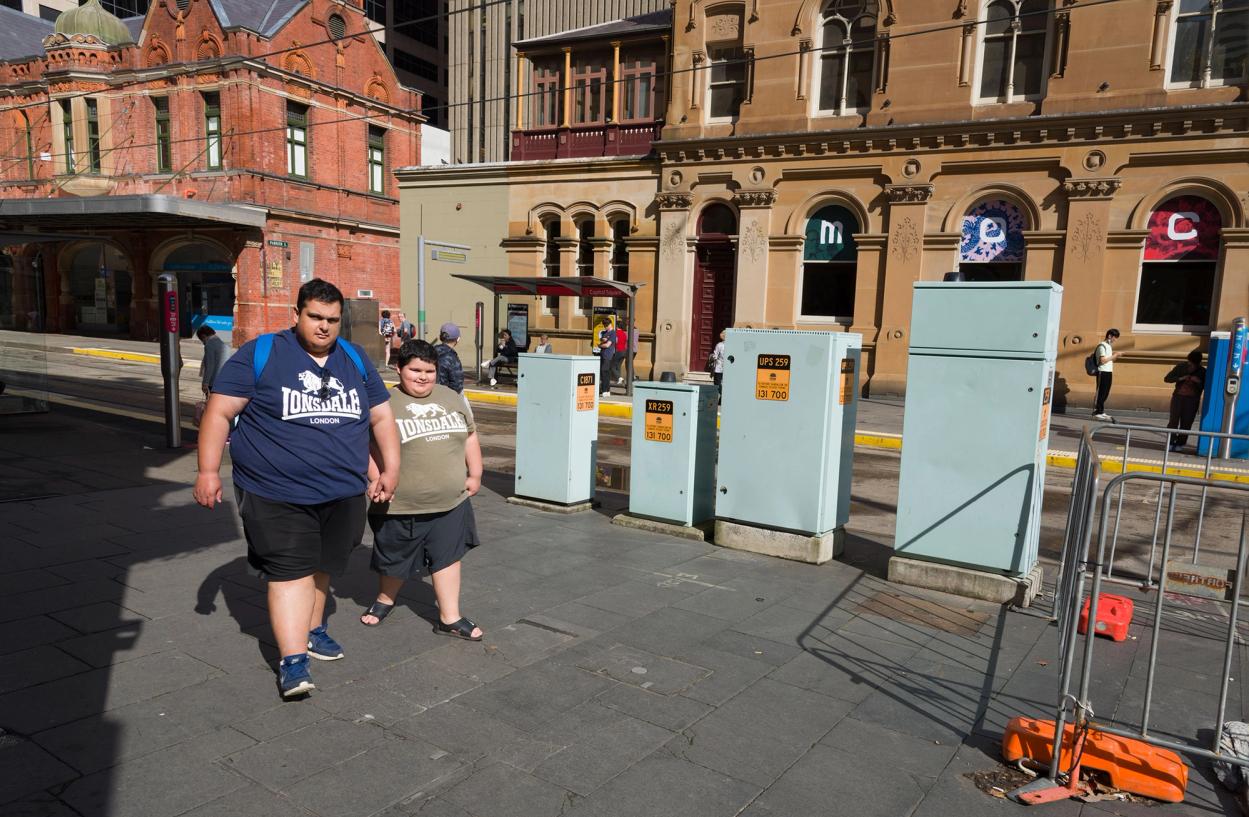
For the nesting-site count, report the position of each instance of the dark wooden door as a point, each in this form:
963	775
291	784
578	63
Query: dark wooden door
714	273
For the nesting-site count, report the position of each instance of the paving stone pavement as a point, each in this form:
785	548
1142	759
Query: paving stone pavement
623	674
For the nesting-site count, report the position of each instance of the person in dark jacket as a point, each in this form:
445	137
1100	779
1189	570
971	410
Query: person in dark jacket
450	372
506	353
1189	378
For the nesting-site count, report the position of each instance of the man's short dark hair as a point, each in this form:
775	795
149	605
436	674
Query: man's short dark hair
318	290
419	350
205	332
1194	357
385	313
1112	333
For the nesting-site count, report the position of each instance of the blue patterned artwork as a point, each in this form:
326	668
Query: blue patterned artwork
992	231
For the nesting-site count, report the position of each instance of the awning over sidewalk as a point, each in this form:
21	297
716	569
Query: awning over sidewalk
52	219
570	287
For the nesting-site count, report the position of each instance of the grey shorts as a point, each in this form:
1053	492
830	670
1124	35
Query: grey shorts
407	546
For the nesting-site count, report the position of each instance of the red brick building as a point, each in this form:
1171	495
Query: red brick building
242	145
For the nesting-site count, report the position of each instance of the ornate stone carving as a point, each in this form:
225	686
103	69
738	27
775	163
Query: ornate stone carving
724	26
1094	159
753	241
674	201
1091	188
674	178
904	242
672	238
754	198
911	168
1086	237
908	193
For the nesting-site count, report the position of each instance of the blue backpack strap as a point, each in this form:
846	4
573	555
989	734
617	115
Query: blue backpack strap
354	354
260	355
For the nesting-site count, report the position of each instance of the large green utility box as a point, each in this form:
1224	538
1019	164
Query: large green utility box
979	389
673	453
556	428
787	441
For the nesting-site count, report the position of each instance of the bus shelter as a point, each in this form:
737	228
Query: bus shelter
583	286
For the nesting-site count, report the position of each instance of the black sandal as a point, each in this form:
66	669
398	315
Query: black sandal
379	611
457	629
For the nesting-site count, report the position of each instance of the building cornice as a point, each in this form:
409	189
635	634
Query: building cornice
674	201
1066	130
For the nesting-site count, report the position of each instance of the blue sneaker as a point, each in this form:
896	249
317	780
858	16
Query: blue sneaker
322	647
293	676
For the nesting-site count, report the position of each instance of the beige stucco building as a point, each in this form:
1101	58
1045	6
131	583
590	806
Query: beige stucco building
816	159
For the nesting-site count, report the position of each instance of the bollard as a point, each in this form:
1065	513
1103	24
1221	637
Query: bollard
170	356
477	338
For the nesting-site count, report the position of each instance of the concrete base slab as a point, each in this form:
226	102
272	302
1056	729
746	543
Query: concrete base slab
552	507
962	581
801	547
696	532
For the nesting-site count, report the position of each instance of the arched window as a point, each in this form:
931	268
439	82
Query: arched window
717	221
1210	45
550	258
1012	64
1177	274
992	246
829	262
845	56
585	257
620	249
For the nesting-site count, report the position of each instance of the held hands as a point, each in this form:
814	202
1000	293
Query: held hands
207	491
472	484
382	489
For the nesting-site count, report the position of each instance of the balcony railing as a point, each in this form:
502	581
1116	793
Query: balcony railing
585	141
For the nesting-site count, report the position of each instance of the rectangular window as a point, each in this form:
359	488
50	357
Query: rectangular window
67	130
585	258
588	81
30	146
1211	43
164	142
377	160
297	140
418	19
212	130
376	10
727	81
45	12
93	134
638	89
1176	294
550	259
547	106
413	64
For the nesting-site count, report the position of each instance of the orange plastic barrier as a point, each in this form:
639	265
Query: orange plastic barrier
1130	765
1114	614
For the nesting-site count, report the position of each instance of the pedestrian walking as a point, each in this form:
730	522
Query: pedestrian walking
606	356
450	372
1189	378
1106	356
716	364
215	356
307	404
428	525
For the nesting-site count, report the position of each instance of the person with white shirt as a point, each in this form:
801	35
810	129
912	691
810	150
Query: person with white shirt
1105	372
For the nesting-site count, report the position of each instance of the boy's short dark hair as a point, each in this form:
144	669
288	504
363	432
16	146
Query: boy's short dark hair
204	332
1112	333
385	313
318	290
1194	357
417	349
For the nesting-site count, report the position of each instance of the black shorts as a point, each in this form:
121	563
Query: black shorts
405	545
286	541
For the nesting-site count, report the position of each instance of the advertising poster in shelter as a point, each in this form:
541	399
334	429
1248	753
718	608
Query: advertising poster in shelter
518	324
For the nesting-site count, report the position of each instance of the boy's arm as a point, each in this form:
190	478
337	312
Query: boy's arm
472	459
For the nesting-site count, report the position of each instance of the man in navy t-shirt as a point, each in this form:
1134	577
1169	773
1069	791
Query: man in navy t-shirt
306	404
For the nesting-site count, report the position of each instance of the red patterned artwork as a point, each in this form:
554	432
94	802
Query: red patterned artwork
1184	228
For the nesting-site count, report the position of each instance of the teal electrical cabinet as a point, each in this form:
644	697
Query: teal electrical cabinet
979	389
787	429
556	427
673	453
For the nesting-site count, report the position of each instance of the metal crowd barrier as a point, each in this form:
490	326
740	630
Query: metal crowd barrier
1093	503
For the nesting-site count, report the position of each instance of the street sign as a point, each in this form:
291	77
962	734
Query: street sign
450	256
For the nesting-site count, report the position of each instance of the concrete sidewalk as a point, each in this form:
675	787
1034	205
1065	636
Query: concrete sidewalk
622	673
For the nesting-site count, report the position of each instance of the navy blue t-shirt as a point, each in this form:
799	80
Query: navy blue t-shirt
290	445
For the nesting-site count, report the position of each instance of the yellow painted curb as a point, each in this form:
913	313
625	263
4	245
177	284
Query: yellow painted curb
136	357
877	440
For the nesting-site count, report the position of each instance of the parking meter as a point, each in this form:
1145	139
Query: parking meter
1236	351
170	357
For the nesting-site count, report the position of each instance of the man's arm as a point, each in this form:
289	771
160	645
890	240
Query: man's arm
472	459
386	440
213	430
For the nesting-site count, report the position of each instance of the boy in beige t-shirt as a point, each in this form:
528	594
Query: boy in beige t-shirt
428	525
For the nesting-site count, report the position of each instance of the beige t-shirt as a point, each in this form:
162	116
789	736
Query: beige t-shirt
432	470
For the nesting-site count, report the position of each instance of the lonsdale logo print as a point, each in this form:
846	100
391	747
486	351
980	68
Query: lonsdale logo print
427	420
306	402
